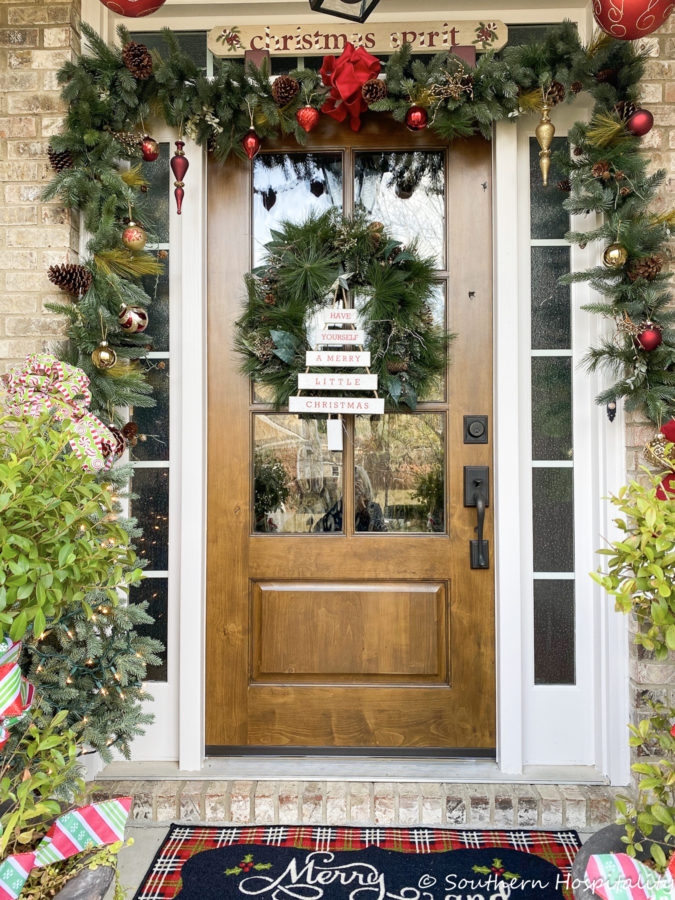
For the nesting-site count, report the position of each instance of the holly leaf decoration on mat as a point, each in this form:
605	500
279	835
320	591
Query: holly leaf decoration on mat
496	869
246	865
285	345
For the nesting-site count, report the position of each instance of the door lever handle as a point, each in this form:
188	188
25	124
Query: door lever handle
477	493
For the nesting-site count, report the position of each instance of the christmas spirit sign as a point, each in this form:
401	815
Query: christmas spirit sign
319	38
340	330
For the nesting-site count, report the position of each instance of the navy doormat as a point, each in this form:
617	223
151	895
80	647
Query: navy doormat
281	862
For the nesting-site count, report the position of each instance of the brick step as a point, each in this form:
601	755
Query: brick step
585	807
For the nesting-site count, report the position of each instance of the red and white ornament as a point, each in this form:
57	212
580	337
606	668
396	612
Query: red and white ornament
132	318
629	20
308	118
133	9
650	337
251	144
640	123
149	149
416	118
134	237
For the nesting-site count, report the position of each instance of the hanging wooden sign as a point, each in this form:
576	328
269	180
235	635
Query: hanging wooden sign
335	315
359	406
339	359
319	38
357	337
318	381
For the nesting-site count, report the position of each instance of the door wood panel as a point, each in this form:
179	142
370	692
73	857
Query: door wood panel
350	640
349	632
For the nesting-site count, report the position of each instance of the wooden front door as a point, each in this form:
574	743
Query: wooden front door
327	628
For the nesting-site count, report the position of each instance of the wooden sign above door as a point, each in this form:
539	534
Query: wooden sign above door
320	38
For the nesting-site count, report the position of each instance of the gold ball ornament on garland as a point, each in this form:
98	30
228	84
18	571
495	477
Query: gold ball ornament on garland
628	20
104	357
615	256
132	319
134	237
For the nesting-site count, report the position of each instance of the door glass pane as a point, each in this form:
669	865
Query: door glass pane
552	407
287	187
297	480
399	481
551	307
153	422
553	519
151	508
406	192
554	649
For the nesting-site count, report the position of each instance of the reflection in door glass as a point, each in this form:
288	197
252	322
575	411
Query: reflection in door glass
297	480
406	192
399	476
288	186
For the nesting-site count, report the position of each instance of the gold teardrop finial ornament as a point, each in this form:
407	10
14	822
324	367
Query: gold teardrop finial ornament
544	132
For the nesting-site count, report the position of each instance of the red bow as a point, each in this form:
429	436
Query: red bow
346	75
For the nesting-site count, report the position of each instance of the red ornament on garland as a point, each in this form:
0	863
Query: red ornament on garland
133	9
628	20
179	166
416	118
307	118
650	337
666	490
640	123
132	318
251	144
149	149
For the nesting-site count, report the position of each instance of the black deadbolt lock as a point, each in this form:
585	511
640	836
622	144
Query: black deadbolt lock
475	429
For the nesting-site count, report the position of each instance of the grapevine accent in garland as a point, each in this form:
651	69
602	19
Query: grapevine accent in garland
606	173
328	259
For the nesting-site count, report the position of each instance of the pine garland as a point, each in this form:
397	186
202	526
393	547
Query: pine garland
104	98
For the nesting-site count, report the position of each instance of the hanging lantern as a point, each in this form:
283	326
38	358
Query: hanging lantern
134	237
544	132
251	144
354	10
133	9
149	149
132	318
628	20
179	166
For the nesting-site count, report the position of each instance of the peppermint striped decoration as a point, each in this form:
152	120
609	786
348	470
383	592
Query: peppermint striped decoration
616	876
91	826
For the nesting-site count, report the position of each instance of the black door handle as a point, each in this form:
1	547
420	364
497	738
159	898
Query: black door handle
477	493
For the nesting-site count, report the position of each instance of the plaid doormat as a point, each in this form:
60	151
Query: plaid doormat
280	862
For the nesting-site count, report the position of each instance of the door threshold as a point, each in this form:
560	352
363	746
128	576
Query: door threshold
355	768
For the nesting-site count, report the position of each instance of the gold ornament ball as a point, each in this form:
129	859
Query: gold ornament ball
104	357
615	256
134	237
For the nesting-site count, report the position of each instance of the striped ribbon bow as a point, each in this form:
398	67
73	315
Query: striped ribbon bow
43	383
617	876
90	826
16	693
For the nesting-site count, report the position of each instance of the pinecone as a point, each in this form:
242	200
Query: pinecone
69	277
555	93
59	159
565	185
579	151
625	191
648	267
373	90
130	430
606	76
619	175
270	299
625	108
284	89
264	349
396	366
601	170
394	254
576	87
137	59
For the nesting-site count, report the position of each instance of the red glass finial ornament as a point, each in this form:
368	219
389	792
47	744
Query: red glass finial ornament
179	166
307	117
416	118
251	143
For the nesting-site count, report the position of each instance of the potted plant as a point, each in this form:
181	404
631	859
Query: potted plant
640	577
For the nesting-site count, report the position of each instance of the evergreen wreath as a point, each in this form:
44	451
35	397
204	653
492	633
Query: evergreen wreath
327	259
107	104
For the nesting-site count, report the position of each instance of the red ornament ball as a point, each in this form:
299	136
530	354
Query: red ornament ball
133	9
251	144
149	149
650	337
640	123
629	20
307	117
416	118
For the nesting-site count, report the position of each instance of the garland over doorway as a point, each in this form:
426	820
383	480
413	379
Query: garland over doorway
111	92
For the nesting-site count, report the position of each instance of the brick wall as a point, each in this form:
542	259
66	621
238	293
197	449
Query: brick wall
36	38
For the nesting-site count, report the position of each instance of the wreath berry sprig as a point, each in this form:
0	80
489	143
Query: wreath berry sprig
329	259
